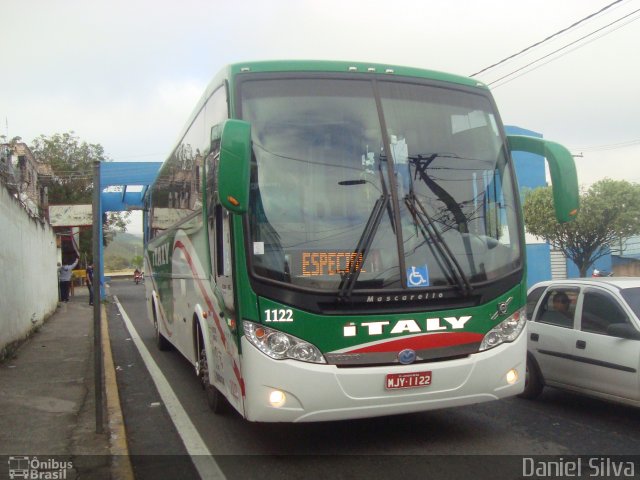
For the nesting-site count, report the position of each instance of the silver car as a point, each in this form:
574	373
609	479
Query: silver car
584	336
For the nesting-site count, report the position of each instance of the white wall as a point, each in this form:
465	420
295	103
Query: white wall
28	271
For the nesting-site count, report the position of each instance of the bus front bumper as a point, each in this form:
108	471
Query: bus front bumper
320	392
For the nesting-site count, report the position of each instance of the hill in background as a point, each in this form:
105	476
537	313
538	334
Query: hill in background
122	250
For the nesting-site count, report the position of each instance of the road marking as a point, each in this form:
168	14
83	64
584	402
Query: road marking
196	448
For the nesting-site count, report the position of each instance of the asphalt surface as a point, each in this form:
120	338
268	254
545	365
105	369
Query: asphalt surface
486	440
47	409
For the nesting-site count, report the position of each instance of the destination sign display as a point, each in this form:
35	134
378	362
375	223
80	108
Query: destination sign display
330	263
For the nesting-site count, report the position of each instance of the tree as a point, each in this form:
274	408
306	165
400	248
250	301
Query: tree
609	214
114	263
137	261
71	162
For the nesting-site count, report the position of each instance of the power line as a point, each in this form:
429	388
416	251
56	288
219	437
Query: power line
547	39
564	47
611	146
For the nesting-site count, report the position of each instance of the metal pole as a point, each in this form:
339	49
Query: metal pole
97	297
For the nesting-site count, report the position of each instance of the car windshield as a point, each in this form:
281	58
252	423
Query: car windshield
632	297
434	206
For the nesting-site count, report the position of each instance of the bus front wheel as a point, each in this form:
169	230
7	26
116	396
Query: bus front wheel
161	342
215	399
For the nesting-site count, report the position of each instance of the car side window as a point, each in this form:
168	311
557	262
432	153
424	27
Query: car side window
558	307
599	310
532	300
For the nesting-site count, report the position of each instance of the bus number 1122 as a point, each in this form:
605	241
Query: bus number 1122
279	315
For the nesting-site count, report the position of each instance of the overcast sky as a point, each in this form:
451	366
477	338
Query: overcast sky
126	74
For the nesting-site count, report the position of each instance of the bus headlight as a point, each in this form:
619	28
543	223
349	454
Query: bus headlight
506	331
280	345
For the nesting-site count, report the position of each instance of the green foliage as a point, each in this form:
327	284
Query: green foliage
72	162
609	213
86	247
112	263
137	261
121	250
116	222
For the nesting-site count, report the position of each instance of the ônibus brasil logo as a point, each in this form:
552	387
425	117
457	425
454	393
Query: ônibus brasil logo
36	469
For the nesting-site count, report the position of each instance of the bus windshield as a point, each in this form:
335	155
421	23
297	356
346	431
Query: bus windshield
434	205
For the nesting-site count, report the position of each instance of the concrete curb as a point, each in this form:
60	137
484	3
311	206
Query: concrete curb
120	461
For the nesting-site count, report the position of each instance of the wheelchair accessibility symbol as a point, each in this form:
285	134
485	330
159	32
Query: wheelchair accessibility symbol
417	276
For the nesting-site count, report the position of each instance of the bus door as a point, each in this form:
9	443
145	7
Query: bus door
220	245
225	362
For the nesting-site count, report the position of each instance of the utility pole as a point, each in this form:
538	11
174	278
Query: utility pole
97	296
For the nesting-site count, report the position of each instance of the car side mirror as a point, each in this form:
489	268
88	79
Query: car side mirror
564	179
623	330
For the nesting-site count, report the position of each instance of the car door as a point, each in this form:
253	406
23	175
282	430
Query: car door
605	363
552	335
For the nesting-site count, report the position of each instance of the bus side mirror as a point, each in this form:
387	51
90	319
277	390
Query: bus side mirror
564	179
234	165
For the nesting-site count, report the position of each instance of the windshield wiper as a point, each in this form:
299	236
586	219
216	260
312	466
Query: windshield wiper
431	232
383	203
362	248
421	163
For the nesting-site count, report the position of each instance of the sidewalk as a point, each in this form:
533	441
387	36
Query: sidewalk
47	398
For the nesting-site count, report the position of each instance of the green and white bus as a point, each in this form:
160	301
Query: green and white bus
332	240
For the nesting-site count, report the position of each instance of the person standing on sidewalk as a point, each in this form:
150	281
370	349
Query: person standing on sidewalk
89	280
66	270
59	285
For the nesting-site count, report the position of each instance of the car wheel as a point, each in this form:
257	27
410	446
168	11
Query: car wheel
533	383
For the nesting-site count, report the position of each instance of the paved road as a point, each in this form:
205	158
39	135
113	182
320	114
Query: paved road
558	423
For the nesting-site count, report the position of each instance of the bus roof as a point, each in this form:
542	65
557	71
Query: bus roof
354	67
288	66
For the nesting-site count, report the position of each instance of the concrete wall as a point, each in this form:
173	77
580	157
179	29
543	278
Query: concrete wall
28	271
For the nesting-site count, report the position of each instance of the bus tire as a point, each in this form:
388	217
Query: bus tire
533	383
215	399
162	343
